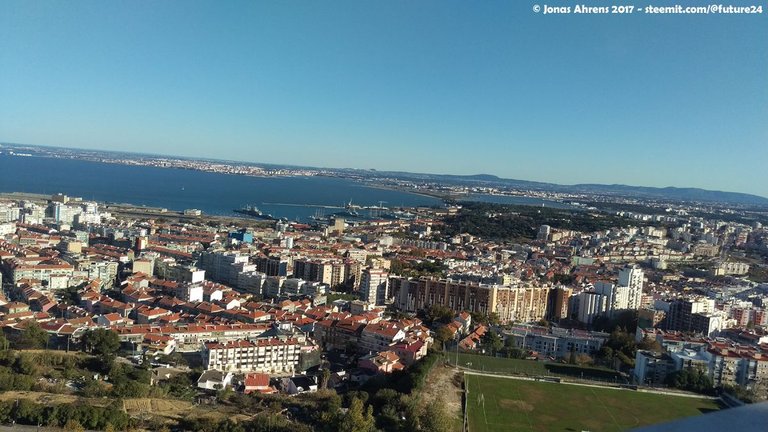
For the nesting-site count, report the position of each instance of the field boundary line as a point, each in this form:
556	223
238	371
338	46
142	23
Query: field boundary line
527	416
563	381
466	400
618	426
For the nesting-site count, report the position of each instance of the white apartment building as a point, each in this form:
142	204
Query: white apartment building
632	277
272	355
252	282
293	286
616	296
373	286
591	304
223	266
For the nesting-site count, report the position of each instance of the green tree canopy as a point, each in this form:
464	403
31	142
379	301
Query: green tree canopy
357	418
443	335
101	342
492	342
33	337
435	417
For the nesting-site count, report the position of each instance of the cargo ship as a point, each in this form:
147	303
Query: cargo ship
254	212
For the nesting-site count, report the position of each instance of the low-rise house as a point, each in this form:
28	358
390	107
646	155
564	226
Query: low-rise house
257	382
410	352
464	320
136	295
113	320
159	344
146	314
162	374
190	336
378	337
338	334
14	307
472	341
299	384
214	380
383	362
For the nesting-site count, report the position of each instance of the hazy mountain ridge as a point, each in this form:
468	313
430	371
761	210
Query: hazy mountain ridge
660	193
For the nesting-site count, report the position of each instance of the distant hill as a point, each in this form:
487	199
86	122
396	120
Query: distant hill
656	193
674	193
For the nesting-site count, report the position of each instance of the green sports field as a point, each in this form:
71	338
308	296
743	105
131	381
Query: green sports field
502	404
508	366
497	364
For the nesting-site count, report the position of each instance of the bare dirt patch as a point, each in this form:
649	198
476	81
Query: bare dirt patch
516	405
172	409
160	407
445	383
50	398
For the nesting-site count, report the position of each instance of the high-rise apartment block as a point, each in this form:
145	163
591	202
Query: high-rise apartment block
373	286
510	303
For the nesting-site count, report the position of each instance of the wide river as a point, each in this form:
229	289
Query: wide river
213	193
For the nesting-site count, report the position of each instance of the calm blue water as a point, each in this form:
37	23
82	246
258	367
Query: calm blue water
215	194
175	189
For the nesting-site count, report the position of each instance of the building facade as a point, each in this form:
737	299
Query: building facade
511	303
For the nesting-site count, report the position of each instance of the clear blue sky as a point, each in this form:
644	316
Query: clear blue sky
461	87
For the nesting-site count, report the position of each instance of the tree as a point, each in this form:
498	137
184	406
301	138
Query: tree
325	376
439	313
101	342
513	352
435	418
4	344
357	418
649	344
71	295
25	364
694	380
73	426
492	342
583	359
620	345
394	313
606	352
493	319
413	415
443	335
33	337
104	344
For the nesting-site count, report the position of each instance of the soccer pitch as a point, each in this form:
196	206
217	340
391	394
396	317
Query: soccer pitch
502	404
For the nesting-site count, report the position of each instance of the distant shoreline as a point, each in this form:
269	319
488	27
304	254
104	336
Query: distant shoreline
672	195
404	190
143	188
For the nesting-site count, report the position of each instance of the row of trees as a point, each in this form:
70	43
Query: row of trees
695	380
515	222
326	411
70	415
417	269
32	337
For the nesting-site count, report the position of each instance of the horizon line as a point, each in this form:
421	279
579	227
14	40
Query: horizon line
374	170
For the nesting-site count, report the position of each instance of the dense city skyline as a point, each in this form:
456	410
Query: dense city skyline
448	87
371	216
